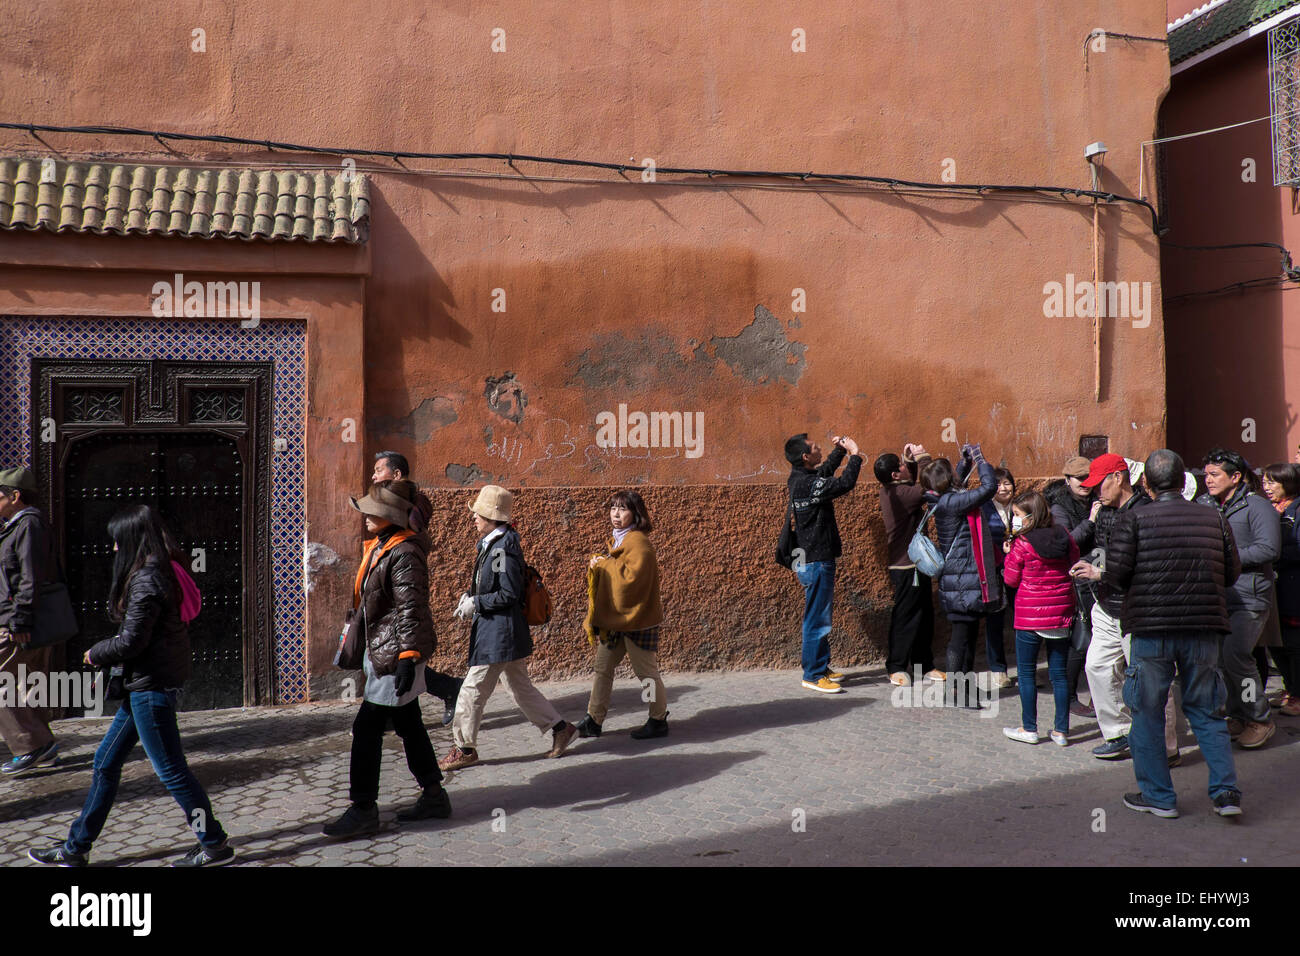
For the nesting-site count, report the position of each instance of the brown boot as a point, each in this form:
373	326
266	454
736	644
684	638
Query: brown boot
1255	735
562	738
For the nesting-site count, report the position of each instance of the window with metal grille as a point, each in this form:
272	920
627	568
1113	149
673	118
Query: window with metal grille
1284	101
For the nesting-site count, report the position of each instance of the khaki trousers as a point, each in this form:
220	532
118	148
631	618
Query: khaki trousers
644	666
480	681
24	728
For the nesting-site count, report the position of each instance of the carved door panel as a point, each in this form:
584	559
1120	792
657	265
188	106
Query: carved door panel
192	440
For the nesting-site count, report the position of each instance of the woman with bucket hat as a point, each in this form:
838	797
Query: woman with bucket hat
499	643
389	633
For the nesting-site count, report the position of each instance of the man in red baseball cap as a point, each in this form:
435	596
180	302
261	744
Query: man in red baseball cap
1108	652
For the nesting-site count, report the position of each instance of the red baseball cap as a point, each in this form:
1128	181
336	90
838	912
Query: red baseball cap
1102	466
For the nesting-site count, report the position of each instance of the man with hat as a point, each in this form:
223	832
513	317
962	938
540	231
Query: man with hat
26	563
499	642
1108	652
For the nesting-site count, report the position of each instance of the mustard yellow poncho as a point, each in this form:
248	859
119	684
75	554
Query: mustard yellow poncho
623	589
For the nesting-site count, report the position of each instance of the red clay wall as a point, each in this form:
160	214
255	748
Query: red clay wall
676	296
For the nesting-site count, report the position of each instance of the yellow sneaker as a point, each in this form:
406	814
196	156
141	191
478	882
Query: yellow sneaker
824	686
833	676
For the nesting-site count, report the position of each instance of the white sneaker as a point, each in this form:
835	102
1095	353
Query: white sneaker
1000	679
936	675
1024	736
1060	739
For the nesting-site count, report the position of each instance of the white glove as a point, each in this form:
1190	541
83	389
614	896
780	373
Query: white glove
465	609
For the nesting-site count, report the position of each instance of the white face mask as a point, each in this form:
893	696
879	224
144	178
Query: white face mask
1016	522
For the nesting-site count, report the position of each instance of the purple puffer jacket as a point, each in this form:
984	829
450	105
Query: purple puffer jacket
1039	565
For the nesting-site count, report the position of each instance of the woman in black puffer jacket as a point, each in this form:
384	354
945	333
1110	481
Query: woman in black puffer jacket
153	646
969	584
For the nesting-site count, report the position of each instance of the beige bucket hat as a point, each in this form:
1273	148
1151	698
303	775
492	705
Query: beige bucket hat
493	502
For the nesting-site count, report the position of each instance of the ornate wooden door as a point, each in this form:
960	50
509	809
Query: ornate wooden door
192	439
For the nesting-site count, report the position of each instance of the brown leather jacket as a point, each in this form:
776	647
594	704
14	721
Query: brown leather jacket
394	606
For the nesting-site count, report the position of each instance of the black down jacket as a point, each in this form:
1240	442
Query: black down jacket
152	643
1173	559
395	601
960	594
1288	565
500	630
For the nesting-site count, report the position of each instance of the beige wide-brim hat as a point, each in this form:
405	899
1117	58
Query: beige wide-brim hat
493	502
386	504
21	478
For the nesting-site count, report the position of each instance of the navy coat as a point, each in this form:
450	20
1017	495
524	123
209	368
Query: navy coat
960	594
499	633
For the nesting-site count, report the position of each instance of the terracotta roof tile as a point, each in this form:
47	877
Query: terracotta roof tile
183	201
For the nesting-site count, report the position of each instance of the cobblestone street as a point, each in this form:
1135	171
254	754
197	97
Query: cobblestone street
756	771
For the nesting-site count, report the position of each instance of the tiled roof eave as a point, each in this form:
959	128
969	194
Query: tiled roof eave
41	193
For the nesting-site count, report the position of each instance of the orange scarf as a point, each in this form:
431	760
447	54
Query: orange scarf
367	559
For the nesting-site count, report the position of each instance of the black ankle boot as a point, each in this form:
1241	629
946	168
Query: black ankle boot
588	727
652	728
433	803
357	820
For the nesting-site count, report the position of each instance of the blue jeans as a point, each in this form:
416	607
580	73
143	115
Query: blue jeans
818	580
150	718
1146	686
1058	649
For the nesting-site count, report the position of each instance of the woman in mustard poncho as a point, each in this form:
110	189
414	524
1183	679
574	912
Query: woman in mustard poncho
623	615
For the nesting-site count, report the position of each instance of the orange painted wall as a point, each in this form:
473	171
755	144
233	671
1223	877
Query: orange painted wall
920	307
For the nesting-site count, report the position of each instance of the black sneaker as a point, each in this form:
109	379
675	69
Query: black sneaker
59	856
433	803
204	856
1228	803
355	821
448	713
49	754
1112	749
588	727
1135	801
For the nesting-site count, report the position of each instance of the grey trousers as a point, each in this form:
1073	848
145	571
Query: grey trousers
1246	700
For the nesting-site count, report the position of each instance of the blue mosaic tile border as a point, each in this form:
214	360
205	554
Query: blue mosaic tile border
280	342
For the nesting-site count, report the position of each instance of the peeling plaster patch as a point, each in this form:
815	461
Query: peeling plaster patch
487	436
432	414
506	397
420	423
466	474
761	352
619	361
316	558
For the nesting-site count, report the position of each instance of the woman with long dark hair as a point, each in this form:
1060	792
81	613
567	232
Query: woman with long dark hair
1282	487
153	646
623	615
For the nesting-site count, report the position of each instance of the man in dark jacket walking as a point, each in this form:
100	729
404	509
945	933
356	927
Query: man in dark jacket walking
391	466
1074	509
26	563
813	487
1173	560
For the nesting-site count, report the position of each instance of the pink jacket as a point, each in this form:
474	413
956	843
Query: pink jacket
1039	566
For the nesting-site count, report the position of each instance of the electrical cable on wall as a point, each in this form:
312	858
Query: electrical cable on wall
1289	272
512	158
